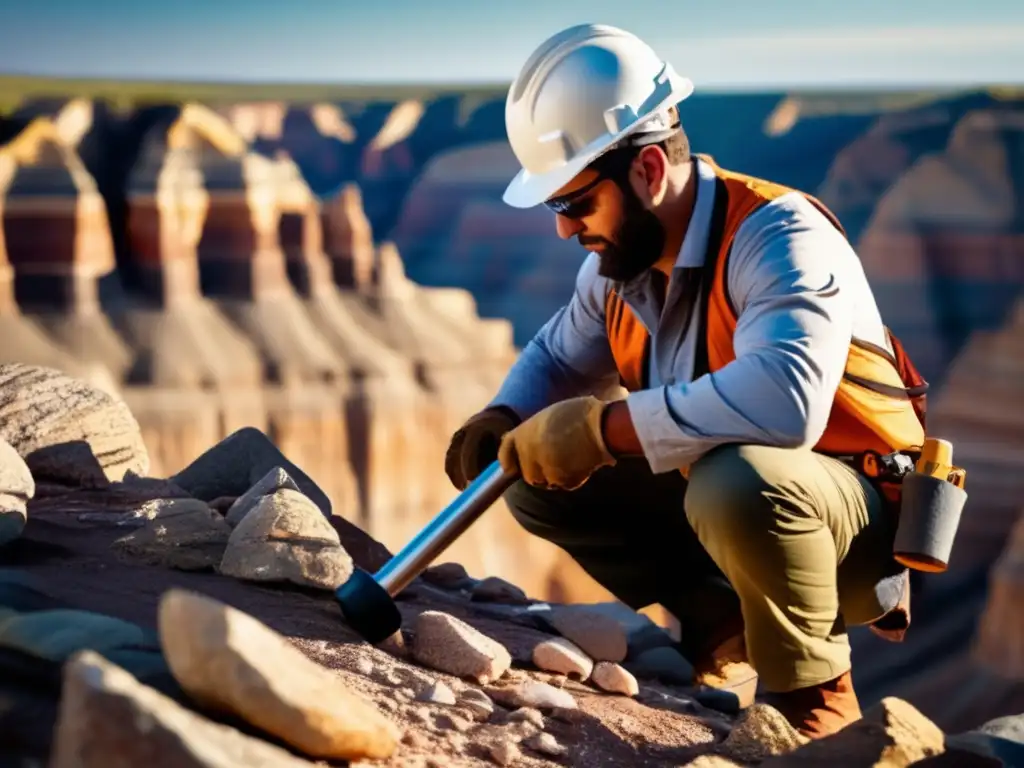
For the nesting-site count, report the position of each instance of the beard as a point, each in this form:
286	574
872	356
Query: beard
636	244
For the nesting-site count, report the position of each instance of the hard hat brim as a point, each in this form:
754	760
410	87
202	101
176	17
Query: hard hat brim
527	190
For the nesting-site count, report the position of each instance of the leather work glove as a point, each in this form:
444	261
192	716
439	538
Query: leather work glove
475	445
559	447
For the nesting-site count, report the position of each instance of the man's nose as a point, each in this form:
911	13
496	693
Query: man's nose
566	227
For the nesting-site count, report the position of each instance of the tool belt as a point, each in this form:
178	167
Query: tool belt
927	498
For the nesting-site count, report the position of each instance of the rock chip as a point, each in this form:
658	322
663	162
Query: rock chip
503	752
237	463
527	715
546	744
601	637
531	693
274	480
285	538
562	656
448	644
495	590
662	663
438	693
67	430
16	488
890	733
177	533
614	679
108	719
761	732
477	702
229	661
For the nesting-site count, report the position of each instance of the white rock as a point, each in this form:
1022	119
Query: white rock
546	744
614	679
438	693
564	657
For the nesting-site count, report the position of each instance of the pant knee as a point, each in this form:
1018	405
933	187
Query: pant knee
731	487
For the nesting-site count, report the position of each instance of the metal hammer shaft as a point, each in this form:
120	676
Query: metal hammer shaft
446	527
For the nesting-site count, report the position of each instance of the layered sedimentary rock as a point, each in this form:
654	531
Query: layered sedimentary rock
55	245
944	247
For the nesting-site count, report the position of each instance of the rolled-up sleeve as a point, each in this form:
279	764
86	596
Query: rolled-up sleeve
568	356
789	277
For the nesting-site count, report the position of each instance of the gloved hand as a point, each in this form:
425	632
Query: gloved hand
559	447
475	445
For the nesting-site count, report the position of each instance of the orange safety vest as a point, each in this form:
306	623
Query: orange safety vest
880	403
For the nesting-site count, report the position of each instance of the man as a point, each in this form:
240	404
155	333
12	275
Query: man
758	374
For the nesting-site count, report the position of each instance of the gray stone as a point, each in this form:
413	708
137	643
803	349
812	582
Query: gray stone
285	538
601	637
276	479
58	634
662	663
239	461
176	533
495	590
1010	727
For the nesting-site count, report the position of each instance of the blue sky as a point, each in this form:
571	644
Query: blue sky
734	44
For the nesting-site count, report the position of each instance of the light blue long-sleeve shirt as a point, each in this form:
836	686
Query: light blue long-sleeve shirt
791	340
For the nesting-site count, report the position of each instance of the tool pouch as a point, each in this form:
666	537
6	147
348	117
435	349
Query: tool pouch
930	511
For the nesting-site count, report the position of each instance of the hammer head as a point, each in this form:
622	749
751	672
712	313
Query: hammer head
368	607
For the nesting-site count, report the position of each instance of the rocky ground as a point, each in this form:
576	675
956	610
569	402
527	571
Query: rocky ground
191	621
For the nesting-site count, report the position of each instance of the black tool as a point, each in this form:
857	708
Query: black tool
367	599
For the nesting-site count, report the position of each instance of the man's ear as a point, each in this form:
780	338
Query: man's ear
652	174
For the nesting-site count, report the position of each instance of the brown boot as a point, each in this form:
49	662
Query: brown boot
725	667
819	710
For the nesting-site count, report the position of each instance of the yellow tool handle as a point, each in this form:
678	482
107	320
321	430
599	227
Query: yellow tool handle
936	458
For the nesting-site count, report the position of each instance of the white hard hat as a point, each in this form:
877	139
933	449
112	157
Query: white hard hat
580	93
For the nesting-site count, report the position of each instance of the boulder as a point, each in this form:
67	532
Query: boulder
67	430
228	660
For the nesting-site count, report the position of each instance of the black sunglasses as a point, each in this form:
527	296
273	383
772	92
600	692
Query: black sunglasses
613	165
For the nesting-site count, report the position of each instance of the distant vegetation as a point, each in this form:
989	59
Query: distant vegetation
15	89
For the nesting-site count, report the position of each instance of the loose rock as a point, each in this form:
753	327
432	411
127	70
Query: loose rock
504	752
275	480
67	430
546	744
602	638
239	461
562	656
891	733
438	693
527	715
495	590
108	719
285	538
228	660
16	488
179	533
662	663
58	634
614	679
447	644
448	576
534	694
477	702
761	732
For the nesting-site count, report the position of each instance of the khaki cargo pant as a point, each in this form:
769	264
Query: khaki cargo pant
802	540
